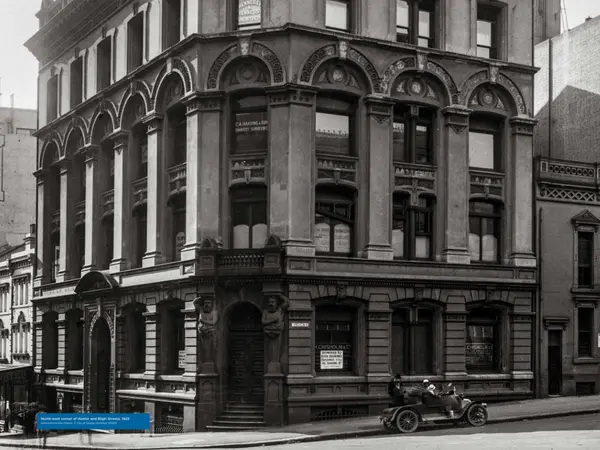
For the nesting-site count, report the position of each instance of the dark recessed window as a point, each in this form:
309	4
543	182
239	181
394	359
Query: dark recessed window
249	14
52	99
337	14
482	352
250	125
585	258
172	22
487	31
103	63
249	217
412	228
484	231
333	133
413	134
178	223
334	222
334	339
76	92
414	22
485	143
135	42
412	342
585	332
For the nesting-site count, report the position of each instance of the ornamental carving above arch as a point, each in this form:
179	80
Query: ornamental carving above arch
104	106
483	76
173	65
109	321
245	48
136	87
77	124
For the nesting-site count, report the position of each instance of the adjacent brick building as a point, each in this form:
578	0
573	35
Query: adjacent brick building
272	206
567	174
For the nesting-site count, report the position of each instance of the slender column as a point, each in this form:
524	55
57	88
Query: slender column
521	200
379	206
62	339
67	222
122	206
191	341
455	186
42	251
291	156
152	347
92	209
156	193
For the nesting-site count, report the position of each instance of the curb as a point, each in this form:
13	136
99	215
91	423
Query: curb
308	438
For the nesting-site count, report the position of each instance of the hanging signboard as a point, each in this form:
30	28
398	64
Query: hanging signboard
249	12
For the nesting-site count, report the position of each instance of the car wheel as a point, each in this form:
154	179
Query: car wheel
477	415
407	421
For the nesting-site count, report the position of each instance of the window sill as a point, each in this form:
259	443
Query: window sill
75	372
173	376
585	360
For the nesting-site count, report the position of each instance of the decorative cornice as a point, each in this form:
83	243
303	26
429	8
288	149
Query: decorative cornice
457	117
292	94
523	125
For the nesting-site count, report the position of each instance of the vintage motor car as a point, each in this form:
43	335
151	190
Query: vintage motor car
419	407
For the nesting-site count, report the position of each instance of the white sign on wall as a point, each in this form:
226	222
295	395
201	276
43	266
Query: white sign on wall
332	359
181	364
598	340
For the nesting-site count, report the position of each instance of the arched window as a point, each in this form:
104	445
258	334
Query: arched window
413	341
335	124
50	340
135	331
484	231
172	337
3	341
335	339
250	125
334	221
483	341
249	217
23	335
75	338
412	227
413	136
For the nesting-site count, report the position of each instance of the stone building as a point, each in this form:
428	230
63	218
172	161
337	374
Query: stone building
568	210
266	208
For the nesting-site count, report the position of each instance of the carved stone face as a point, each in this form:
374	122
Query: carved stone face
207	306
272	304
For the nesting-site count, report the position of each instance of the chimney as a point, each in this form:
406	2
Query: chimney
588	18
30	237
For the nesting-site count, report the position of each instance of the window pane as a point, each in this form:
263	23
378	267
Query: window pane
481	150
399	142
333	133
483	52
585	322
249	12
422	153
342	238
322	234
474	238
251	132
402	14
423	247
484	33
336	14
333	345
480	347
585	248
422	346
489	241
425	24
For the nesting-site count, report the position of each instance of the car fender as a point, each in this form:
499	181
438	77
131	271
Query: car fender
406	408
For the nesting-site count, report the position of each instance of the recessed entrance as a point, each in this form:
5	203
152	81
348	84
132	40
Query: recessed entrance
246	348
554	362
100	367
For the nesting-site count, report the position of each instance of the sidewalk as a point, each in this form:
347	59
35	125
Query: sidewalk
365	426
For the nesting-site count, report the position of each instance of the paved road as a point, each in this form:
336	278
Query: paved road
566	433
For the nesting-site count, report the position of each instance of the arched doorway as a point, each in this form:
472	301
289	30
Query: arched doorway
246	349
100	367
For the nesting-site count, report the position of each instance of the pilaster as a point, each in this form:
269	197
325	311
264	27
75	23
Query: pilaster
455	176
62	339
42	250
93	226
454	341
191	342
122	204
67	216
151	343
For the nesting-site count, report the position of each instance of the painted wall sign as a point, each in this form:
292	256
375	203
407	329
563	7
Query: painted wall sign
249	12
300	325
332	359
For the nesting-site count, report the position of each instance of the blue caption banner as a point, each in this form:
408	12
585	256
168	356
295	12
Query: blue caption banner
92	421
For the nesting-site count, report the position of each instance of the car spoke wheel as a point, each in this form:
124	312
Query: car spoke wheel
477	416
407	421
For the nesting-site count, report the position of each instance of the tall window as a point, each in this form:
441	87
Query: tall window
104	63
76	92
338	15
335	126
485	143
50	340
412	341
135	42
250	125
52	99
487	31
412	228
335	339
249	14
249	217
334	222
585	258
585	332
484	231
172	22
414	22
172	338
136	339
75	336
413	134
482	351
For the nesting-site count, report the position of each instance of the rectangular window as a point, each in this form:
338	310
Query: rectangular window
135	42
338	15
333	133
585	259
52	99
334	225
249	223
335	335
585	332
487	31
178	232
249	14
484	232
412	228
250	125
104	63
172	22
76	92
413	135
414	22
412	342
485	143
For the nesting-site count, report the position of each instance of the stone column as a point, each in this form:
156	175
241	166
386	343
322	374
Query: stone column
520	174
93	227
122	206
380	176
454	177
291	162
152	347
67	222
42	249
191	342
156	193
62	340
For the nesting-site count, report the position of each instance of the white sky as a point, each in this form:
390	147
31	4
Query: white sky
18	67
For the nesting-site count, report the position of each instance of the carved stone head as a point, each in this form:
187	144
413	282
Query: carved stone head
207	305
272	304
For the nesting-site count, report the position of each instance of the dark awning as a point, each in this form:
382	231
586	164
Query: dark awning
96	280
15	372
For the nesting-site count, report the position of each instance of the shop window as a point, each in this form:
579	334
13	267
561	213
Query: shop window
585	332
52	98
50	340
334	221
135	42
135	351
485	142
412	228
250	125
75	339
488	21
585	258
482	350
76	92
338	14
249	217
249	14
172	22
104	63
335	339
484	231
413	134
172	332
414	22
412	341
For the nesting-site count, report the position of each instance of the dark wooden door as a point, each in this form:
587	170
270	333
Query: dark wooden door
246	364
101	362
554	362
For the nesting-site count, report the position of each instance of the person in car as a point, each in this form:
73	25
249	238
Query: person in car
395	390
